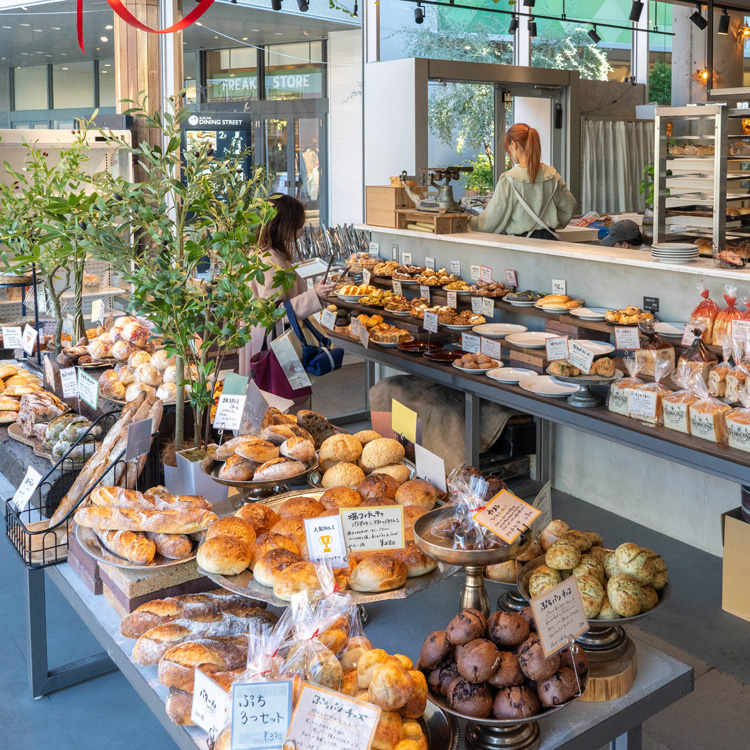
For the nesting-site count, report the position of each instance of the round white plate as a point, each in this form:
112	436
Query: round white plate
498	330
530	339
457	291
406	281
457	328
670	329
598	347
396	312
589	313
519	303
496	366
390	344
674	246
510	374
543	385
350	297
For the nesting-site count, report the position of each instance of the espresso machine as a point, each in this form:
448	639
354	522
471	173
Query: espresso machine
440	179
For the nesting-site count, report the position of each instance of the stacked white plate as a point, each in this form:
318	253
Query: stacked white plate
674	252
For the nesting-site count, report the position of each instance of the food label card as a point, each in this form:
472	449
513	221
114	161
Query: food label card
688	337
471	343
261	714
229	412
397	288
485	274
424	291
373	529
374	248
364	336
139	438
456	267
29	338
740	330
476	305
543	502
328	319
452	299
627	339
403	420
642	403
475	271
429	263
559	616
88	389
366	276
26	488
511	278
12	337
69	382
430	467
324	720
97	311
325	541
557	348
356	326
405	259
430	322
579	356
507	516
559	286
488	307
491	348
209	710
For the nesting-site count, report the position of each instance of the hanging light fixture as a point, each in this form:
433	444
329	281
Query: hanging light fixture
697	18
303	5
724	23
635	11
276	4
532	27
529	3
594	36
513	25
419	13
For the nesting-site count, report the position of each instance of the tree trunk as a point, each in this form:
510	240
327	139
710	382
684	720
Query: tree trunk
56	311
79	326
179	412
488	151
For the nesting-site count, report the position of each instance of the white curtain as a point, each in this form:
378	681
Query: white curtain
613	155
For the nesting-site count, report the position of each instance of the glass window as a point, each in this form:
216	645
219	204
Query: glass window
190	73
660	54
107	79
294	71
30	87
232	74
73	85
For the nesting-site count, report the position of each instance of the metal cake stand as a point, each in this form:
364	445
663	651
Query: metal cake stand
584	398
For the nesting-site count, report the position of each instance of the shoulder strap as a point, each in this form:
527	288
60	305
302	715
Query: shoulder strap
530	211
294	323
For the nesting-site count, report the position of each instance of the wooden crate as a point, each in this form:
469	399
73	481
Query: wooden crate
442	223
381	202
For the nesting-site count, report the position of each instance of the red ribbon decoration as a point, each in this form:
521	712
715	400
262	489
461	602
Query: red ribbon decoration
129	18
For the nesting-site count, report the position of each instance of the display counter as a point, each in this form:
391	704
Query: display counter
687	504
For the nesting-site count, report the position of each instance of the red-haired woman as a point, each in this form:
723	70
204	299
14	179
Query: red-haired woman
531	199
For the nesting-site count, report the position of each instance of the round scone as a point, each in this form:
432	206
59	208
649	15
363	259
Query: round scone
268	541
624	594
343	475
607	612
367	436
417	492
399	472
161	360
507	629
468	625
478	660
339	448
298	448
300	507
590	566
508	673
532	662
439	678
592	594
381	452
378	487
259	515
278	468
552	532
470	698
542	579
302	576
232	526
257	450
559	688
378	572
294	529
266	570
340	497
224	555
563	555
417	563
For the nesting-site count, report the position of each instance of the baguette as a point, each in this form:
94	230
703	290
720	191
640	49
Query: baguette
119	497
171	546
177	666
128	544
157	521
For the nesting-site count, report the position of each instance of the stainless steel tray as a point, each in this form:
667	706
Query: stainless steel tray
210	466
440	728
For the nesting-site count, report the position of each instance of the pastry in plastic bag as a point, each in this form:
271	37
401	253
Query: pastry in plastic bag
723	320
618	391
676	405
705	313
707	414
738	422
654	352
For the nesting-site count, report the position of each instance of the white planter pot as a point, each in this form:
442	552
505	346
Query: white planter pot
188	479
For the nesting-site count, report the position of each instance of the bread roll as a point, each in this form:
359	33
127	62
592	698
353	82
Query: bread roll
269	541
148	375
259	515
278	469
257	450
129	545
161	360
167	392
552	532
294	529
138	357
378	487
367	436
417	563
378	572
417	492
506	572
100	349
228	447
232	526
122	350
237	469
339	448
298	448
171	546
170	374
399	472
273	563
381	452
302	576
224	555
135	389
300	507
343	475
135	333
340	497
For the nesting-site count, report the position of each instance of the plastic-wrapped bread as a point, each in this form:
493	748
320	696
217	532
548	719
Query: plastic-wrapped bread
705	313
724	318
707	415
676	405
619	390
129	545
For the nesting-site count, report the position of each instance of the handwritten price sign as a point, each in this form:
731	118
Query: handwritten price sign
261	713
507	516
559	616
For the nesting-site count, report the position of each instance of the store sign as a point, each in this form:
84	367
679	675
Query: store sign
12	337
476	305
69	382
557	348
511	278
88	389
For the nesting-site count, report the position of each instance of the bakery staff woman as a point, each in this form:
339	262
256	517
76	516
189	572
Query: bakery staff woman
531	199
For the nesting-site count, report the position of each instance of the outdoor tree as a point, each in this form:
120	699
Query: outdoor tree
660	83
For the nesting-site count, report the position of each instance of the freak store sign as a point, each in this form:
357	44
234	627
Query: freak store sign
303	81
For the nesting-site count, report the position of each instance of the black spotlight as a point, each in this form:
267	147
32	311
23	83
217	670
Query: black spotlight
635	11
697	18
513	25
529	3
419	14
724	23
276	4
532	27
303	5
595	38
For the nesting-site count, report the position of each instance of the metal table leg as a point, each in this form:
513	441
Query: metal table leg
631	740
543	450
473	423
42	679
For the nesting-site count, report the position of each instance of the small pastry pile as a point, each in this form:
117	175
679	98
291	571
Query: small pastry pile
384	333
343	318
345	459
355	290
457	286
377	298
63	431
419	306
450	317
692	149
385	268
558	302
527	295
629	316
431	277
613	584
397	304
407	273
603	367
15	383
142	373
489	289
476	362
496	667
127	335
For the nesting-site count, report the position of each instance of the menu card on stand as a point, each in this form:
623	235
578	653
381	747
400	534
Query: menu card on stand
373	529
261	714
560	616
325	541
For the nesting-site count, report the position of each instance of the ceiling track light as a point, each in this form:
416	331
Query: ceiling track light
303	5
513	25
532	27
529	3
276	4
419	14
356	9
724	20
635	11
593	35
697	18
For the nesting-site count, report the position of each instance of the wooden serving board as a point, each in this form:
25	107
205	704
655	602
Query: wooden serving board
16	433
609	680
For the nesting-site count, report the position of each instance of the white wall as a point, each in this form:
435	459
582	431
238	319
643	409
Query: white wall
345	126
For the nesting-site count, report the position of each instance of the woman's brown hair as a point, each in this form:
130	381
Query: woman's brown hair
528	139
281	232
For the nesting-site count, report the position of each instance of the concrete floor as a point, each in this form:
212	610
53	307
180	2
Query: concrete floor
106	712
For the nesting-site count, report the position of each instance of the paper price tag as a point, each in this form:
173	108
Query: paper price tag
507	516
559	286
397	288
560	616
485	274
364	336
429	263
452	299
97	310
366	276
456	267
88	389
235	384
261	714
430	322
373	529
325	541
740	330
430	467
29	338
68	325
579	356
651	304
374	249
424	291
229	412
394	252
511	279
543	502
476	305
325	720
404	421
491	348
328	319
356	327
139	438
405	259
26	488
209	709
688	337
256	406
475	271
69	382
12	337
627	338
471	343
642	403
488	307
557	348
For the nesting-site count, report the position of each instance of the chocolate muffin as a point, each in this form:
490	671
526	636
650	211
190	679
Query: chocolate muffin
466	626
507	629
435	649
528	615
515	703
509	673
478	660
581	661
532	661
470	698
559	688
441	677
378	487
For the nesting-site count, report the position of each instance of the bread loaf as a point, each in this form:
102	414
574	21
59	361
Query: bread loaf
318	426
171	546
179	707
129	545
159	521
278	468
224	555
177	666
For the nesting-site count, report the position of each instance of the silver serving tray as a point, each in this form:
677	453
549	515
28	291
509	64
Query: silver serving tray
315	476
245	584
440	728
210	466
586	380
92	546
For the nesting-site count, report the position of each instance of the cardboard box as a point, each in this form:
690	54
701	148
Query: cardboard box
735	593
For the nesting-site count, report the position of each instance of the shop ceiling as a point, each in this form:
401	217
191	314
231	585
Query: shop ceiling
46	32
